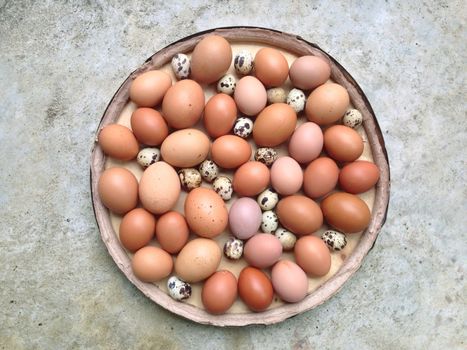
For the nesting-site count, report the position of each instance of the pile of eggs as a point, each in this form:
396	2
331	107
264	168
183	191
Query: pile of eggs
277	202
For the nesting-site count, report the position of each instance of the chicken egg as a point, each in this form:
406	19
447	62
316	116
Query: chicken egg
251	179
185	148
274	125
151	264
148	126
118	141
320	177
137	229
313	256
172	231
271	67
118	190
327	104
230	151
219	292
358	176
309	72
250	95
220	114
343	143
299	214
255	289
149	88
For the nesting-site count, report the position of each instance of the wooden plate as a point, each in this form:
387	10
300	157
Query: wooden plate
295	45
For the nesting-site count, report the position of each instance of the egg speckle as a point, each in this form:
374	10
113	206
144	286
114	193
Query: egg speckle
334	240
243	62
181	66
178	289
296	99
148	156
243	127
286	238
227	84
233	248
268	199
276	95
223	187
269	222
189	178
266	155
352	118
209	170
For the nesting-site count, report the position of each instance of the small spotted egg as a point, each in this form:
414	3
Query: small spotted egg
296	99
148	156
243	62
334	240
189	178
178	289
233	248
268	199
181	66
243	127
276	95
287	238
223	186
352	118
227	84
209	170
269	222
266	155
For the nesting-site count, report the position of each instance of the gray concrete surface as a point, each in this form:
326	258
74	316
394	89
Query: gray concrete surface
60	63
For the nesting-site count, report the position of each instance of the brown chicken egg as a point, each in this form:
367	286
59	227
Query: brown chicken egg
220	114
148	126
271	67
118	141
274	125
313	255
343	143
137	229
320	177
118	190
299	214
185	148
327	104
151	264
219	292
255	289
251	179
148	89
309	72
289	281
172	231
358	176
250	95
230	151
286	176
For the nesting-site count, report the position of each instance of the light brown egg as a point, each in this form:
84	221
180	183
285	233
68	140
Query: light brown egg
250	95
274	125
262	250
299	214
183	104
185	148
327	104
286	176
172	232
313	255
219	292
230	151
309	72
148	126
210	59
220	114
137	229
358	176
148	89
118	141
289	281
151	264
118	190
251	179
320	177
271	67
255	289
343	143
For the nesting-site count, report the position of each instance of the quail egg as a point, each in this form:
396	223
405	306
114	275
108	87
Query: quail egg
148	156
223	186
269	222
181	66
334	240
243	127
243	62
233	248
227	84
296	99
266	155
209	170
178	289
276	95
352	118
287	238
189	178
268	199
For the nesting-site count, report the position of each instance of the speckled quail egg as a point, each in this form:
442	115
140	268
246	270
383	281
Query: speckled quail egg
268	199
189	178
352	118
276	95
227	84
334	240
296	99
178	289
223	186
148	156
233	248
269	222
209	170
287	238
243	62
243	127
181	66
266	155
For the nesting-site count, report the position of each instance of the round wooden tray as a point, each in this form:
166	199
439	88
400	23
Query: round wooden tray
299	47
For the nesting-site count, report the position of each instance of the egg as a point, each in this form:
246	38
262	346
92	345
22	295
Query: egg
266	155
149	88
230	151
189	178
159	188
183	104
137	229
262	250
346	212
233	248
244	218
286	176
172	231
151	264
313	256
299	214
334	240
327	104
289	281
118	141
181	66
296	99
267	199
320	177
309	72
274	125
276	95
306	143
148	126
269	222
178	289
219	115
271	67
148	156
118	190
210	59
255	289
352	118
205	212
185	148
287	238
243	62
358	176
251	179
343	143
227	84
209	170
243	127
198	260
219	292
250	95
223	187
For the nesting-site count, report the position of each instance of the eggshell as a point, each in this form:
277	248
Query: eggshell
251	179
148	89
185	148
346	212
313	256
220	114
118	141
219	292
118	190
230	151
299	214
327	104
309	72
286	176
198	260
274	125
148	126
183	104
205	212
244	218
151	264
255	289
359	176
289	281
262	250
343	143
320	177
250	95
137	229
172	231
271	67
159	188
306	142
